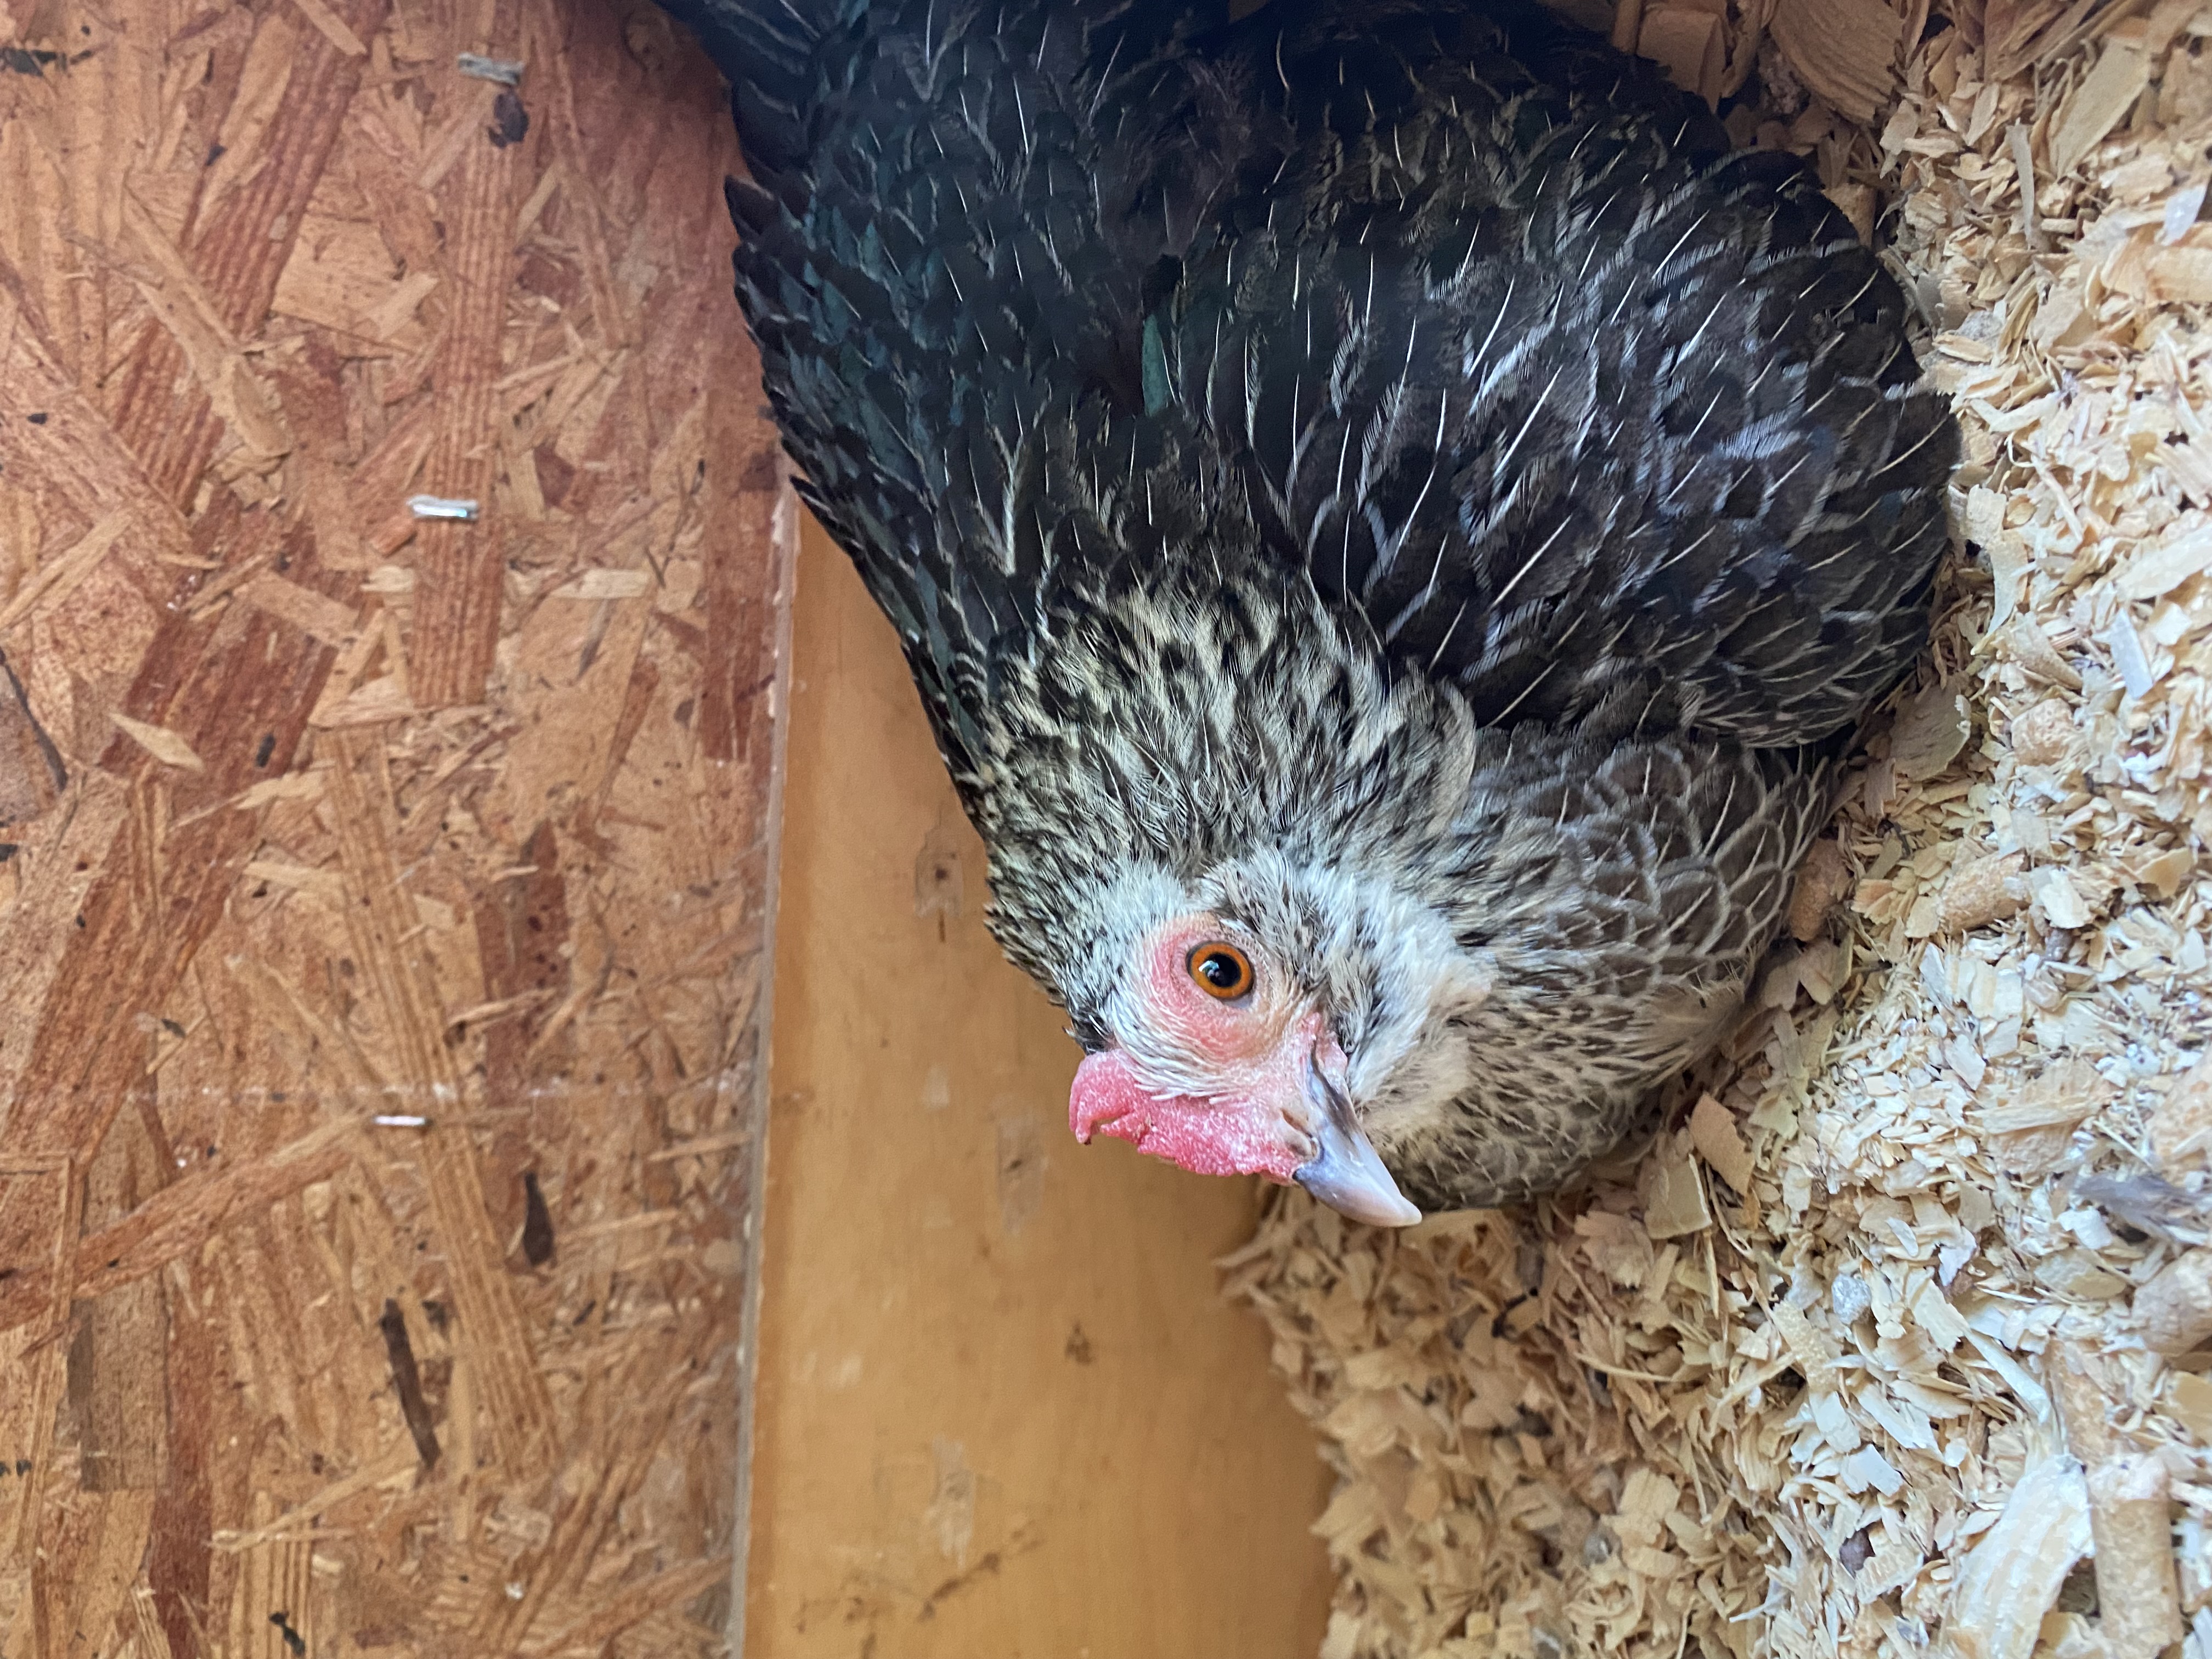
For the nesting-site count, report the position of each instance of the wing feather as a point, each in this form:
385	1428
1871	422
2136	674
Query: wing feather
1615	415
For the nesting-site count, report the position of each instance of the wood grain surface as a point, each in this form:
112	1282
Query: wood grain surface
1004	1411
384	901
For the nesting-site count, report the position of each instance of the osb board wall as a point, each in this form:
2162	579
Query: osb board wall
1891	1344
1002	1408
322	818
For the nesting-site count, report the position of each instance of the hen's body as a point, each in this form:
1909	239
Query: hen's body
1379	473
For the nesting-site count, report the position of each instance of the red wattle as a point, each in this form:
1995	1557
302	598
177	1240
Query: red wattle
1206	1137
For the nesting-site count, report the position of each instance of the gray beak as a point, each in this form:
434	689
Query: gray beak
1345	1173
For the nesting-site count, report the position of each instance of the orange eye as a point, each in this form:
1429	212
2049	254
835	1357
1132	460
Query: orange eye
1223	971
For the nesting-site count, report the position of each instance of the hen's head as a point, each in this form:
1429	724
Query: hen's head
1229	846
1256	1020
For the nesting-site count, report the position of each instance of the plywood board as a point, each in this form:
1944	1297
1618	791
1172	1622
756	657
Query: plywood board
1003	1409
383	900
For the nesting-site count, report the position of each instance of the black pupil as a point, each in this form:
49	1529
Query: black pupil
1222	971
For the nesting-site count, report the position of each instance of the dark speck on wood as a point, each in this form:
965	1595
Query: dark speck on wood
509	120
407	1380
537	1222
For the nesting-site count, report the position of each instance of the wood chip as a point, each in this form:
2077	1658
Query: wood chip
1673	1194
2163	569
2011	1577
1846	51
306	610
2138	1601
1822	881
1690	46
57	578
2058	898
2175	1309
334	28
168	747
2044	735
1984	890
2106	94
2181	1124
607	585
1931	729
1713	1132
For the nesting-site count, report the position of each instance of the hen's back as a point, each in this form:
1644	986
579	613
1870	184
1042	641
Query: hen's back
1570	405
1446	305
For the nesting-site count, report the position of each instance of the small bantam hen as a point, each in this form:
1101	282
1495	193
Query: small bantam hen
1392	524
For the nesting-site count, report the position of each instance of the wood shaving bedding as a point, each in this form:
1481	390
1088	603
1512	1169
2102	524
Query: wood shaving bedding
1886	1346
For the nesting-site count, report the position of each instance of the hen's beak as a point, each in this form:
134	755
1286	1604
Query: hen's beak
1346	1172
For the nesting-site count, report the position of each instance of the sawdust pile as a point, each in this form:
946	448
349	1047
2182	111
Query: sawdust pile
1885	1347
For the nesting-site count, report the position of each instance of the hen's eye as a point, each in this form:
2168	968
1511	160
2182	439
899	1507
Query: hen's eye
1222	971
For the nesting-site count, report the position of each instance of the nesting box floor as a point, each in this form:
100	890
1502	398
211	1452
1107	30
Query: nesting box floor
1864	1357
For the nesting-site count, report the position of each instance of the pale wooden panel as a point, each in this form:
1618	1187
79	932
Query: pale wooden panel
1002	1409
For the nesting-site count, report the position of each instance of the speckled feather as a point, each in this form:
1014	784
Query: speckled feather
1383	474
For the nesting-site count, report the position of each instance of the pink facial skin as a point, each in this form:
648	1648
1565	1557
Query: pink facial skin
1258	1046
1208	1137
